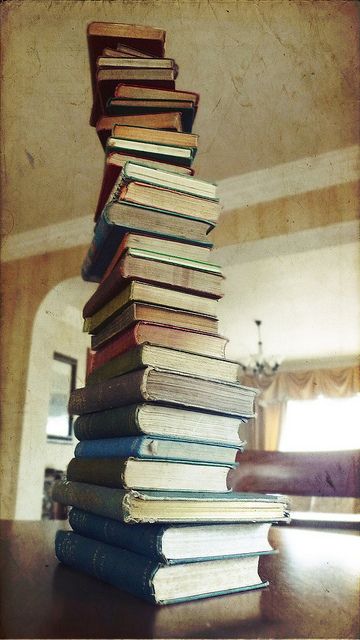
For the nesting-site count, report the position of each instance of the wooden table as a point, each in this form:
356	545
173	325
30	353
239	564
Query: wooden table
314	593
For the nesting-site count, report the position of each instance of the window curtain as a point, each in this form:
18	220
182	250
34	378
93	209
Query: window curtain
274	394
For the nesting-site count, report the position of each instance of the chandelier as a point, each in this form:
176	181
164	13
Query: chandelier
256	364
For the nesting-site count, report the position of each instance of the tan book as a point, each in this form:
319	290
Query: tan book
148	293
168	121
155	136
183	362
138	311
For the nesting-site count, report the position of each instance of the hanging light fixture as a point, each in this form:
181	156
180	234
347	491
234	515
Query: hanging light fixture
257	365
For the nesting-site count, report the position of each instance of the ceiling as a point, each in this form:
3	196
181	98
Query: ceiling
278	88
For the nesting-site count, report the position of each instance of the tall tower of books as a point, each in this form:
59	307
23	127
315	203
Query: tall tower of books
159	420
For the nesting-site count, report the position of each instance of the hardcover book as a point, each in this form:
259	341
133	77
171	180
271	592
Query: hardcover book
172	544
170	121
166	387
158	245
163	152
100	35
169	179
133	92
152	448
165	199
151	355
119	218
161	335
169	506
108	78
95	316
112	168
153	581
162	422
126	107
141	473
138	311
170	271
155	136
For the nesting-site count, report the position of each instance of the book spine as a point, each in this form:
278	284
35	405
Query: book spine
120	344
101	234
123	569
109	503
107	290
147	540
128	361
123	447
123	421
104	471
109	394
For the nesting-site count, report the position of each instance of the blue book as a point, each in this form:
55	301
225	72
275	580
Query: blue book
155	449
171	506
155	581
173	544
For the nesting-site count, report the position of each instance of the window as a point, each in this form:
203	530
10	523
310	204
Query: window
323	424
62	382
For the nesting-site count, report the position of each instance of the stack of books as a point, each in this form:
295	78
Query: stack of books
159	419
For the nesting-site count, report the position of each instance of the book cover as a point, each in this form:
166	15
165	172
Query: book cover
158	269
136	291
157	151
172	544
158	245
161	421
137	312
153	474
127	107
119	218
162	335
154	581
156	385
151	355
152	448
107	80
135	92
135	507
167	121
149	40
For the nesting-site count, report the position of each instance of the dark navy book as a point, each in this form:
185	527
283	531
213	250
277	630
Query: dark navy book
153	580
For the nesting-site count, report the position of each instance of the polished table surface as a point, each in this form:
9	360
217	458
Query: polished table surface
313	593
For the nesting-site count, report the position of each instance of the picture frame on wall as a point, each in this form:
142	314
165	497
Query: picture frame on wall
59	426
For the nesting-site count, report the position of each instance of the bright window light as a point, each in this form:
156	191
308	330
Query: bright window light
323	424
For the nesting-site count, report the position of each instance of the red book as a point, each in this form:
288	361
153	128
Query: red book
159	334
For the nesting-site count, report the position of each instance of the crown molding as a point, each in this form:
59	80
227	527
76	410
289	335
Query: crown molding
290	178
300	176
298	242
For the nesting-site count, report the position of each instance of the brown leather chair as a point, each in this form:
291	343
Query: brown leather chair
330	473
